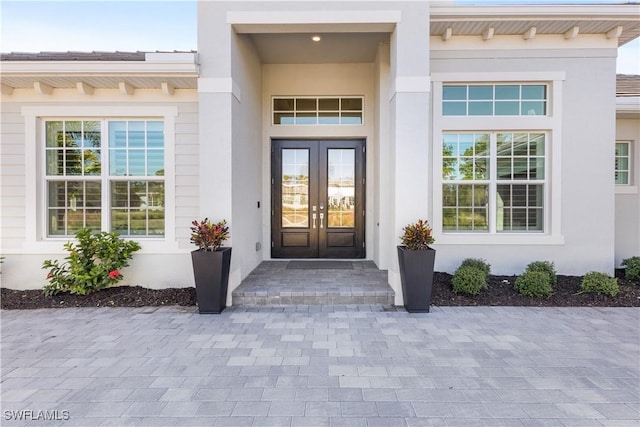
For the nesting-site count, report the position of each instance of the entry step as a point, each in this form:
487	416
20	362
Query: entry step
276	283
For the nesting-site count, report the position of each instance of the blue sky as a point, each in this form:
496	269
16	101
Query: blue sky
149	25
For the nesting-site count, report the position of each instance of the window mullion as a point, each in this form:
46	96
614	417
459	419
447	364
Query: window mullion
105	183
493	172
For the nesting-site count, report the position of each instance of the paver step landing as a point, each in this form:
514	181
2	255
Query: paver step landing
275	283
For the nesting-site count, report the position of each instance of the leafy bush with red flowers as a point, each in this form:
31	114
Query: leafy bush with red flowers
94	263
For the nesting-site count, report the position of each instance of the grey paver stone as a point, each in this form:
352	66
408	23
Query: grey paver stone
251	409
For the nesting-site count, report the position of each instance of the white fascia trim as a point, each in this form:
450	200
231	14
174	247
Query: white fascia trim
628	103
99	68
251	21
34	195
533	12
533	76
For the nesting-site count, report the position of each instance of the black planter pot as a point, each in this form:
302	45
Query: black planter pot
416	275
211	273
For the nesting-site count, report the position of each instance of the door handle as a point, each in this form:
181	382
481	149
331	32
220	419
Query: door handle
321	217
314	220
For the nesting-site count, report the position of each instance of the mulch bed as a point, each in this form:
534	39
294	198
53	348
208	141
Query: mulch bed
499	293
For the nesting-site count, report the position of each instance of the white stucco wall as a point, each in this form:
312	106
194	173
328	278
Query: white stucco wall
161	262
585	117
246	158
627	199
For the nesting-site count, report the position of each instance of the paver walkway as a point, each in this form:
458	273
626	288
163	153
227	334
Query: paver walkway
322	365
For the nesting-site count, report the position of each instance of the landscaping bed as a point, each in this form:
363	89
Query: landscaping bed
500	293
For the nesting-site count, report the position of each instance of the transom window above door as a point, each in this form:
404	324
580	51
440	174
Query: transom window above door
305	111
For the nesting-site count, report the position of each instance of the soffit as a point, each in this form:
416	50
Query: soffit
102	70
99	82
547	19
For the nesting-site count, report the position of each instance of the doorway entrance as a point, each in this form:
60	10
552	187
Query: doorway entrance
318	198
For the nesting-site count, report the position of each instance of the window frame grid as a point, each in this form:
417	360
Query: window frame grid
467	101
105	178
340	111
629	157
492	183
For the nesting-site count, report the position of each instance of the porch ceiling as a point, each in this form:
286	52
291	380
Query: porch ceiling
298	48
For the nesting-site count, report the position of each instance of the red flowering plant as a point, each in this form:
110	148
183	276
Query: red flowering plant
94	263
207	236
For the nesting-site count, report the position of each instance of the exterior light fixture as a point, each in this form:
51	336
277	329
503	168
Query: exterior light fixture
316	38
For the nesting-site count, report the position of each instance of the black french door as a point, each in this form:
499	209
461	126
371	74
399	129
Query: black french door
317	198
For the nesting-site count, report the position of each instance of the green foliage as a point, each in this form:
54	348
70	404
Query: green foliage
94	263
632	270
469	280
207	236
417	236
479	264
599	283
544	266
534	284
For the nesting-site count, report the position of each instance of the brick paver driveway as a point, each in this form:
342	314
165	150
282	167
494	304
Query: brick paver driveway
321	365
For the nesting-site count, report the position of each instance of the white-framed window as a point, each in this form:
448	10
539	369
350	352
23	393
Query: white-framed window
494	99
497	177
493	182
305	111
104	174
623	163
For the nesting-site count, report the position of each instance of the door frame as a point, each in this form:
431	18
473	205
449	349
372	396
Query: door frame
320	240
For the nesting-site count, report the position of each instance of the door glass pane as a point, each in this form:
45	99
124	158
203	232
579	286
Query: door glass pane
295	187
341	188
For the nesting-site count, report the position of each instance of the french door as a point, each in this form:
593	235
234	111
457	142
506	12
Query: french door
317	198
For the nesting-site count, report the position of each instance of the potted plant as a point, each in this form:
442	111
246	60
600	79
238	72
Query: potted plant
211	264
416	260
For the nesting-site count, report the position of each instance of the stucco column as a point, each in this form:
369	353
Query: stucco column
410	126
215	113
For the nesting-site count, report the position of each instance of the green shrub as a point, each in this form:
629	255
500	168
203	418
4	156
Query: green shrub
534	284
544	266
479	264
94	263
599	283
469	280
632	270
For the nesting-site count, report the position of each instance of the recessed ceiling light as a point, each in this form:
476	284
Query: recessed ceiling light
316	38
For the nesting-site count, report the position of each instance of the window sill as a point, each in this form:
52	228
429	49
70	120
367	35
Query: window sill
498	239
626	189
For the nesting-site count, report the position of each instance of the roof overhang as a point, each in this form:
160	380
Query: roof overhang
621	21
628	107
158	70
